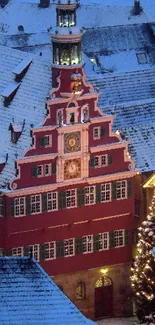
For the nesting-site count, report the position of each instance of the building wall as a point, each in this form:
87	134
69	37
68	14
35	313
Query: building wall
119	274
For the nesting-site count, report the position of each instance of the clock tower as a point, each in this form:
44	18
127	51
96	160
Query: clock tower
74	188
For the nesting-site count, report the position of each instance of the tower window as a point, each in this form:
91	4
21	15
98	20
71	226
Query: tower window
72	118
60	117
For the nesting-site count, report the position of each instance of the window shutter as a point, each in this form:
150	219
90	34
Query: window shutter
80	196
102	132
28	205
12	208
129	188
44	202
91	162
60	200
54	168
9	252
109	159
111	239
63	200
42	252
134	236
96	242
34	171
42	142
60	248
98	193
127	237
26	251
78	245
114	191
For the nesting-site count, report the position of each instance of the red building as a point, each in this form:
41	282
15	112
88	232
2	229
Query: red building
72	202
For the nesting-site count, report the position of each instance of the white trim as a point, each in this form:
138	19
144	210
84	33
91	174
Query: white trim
37	158
72	245
98	129
40	202
123	237
105	191
87	243
54	250
71	196
109	146
89	194
91	180
104	239
51	200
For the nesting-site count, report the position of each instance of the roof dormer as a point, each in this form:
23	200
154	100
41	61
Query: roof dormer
16	130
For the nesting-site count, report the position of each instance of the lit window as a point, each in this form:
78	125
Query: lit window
96	161
103	241
68	247
118	238
105	192
80	290
1	207
104	160
89	195
87	244
52	201
19	207
35	204
96	133
121	190
34	250
18	251
50	251
71	198
39	171
142	58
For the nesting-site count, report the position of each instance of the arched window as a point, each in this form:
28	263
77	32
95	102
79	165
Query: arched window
80	290
71	104
103	282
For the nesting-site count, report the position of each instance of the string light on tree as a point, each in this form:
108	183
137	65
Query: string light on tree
143	270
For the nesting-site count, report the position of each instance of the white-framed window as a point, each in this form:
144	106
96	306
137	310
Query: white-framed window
1	207
19	207
69	247
96	133
87	244
121	190
34	249
35	204
96	161
106	192
18	251
71	198
52	201
50	250
40	171
60	116
47	141
103	241
104	160
118	238
89	195
47	169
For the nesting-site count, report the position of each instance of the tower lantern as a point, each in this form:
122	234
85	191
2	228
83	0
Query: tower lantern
66	40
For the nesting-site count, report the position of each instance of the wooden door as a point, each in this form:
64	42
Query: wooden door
104	301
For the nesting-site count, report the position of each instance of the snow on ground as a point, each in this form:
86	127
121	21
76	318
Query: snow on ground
118	321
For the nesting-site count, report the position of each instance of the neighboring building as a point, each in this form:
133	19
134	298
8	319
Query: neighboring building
28	296
72	201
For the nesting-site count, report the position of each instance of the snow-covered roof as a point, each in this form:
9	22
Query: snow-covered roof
29	296
129	96
88	15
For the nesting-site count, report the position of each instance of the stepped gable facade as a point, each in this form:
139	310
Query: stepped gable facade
72	202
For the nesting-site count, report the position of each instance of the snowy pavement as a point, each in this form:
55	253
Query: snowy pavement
118	321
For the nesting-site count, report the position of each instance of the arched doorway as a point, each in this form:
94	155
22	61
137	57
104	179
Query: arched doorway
103	297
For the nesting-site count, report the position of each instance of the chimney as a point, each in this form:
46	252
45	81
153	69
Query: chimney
44	3
137	7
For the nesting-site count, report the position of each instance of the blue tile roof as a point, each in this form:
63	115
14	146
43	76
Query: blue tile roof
28	296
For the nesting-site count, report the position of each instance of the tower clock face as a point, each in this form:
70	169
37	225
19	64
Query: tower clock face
72	142
72	168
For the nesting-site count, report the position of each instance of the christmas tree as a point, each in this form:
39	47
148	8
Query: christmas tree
143	270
